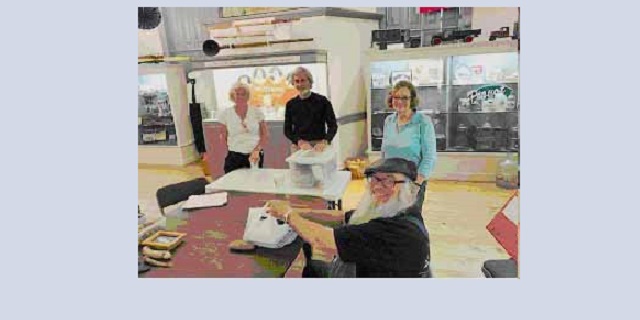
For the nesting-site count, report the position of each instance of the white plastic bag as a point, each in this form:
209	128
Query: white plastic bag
263	230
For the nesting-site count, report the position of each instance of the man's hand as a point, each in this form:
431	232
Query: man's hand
320	146
304	145
278	208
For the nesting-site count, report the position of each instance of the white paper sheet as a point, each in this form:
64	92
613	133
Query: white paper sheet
206	200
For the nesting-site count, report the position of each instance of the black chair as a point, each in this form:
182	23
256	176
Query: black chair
175	193
426	271
507	268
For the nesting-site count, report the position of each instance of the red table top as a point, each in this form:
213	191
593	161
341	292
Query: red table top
204	252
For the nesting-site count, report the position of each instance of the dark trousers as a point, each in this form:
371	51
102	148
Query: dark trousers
313	268
420	196
417	205
237	160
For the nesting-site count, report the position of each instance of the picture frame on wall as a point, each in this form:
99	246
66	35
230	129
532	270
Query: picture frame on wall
399	76
427	72
379	81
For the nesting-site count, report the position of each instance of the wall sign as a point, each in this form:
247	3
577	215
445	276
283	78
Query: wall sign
488	92
491	98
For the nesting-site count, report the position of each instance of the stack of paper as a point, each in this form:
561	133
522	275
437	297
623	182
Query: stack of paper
206	200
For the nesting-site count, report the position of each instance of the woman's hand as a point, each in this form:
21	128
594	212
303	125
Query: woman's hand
420	179
254	156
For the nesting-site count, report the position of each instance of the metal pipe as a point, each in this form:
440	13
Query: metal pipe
262	43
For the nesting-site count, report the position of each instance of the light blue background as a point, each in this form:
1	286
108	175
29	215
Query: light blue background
69	166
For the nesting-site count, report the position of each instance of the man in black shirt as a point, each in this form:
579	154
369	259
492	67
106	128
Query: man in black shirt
384	237
307	114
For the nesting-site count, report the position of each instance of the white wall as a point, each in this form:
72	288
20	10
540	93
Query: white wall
352	139
149	42
361	9
345	40
185	28
493	18
168	155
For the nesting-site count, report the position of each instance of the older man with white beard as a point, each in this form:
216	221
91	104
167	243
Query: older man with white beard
384	237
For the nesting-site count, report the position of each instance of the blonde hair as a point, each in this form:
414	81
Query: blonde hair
236	86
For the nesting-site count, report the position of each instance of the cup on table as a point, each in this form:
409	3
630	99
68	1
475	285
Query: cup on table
278	179
254	165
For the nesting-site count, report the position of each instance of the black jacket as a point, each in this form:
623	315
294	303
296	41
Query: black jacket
310	119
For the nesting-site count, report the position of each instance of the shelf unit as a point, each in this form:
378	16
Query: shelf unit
446	79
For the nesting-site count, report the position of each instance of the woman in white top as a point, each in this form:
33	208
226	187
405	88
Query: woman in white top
244	130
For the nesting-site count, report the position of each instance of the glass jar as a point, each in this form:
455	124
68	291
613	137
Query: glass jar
142	219
461	141
485	138
514	139
508	174
440	136
511	102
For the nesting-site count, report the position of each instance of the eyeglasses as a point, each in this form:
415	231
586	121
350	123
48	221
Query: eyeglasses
386	182
402	98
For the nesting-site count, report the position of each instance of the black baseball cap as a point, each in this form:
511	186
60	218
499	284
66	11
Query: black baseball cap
393	165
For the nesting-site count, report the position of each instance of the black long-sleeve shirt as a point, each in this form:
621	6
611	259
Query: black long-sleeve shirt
305	119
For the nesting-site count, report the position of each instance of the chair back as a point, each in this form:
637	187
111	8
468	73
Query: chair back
177	192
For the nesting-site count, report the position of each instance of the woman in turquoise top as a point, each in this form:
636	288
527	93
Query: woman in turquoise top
410	135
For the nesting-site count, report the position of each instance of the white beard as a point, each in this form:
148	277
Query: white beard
368	210
305	94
